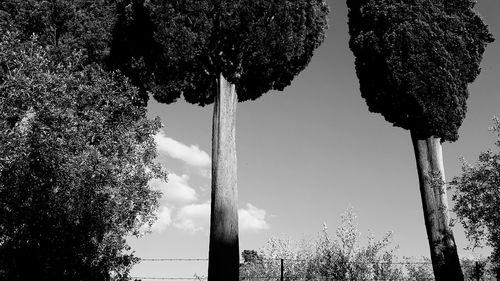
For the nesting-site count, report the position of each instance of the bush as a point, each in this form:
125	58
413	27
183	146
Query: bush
333	258
76	156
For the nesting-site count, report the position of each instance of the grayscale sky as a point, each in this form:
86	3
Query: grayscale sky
304	156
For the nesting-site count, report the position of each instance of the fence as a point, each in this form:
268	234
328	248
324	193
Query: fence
261	269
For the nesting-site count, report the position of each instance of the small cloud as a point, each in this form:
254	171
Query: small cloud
194	217
164	219
191	155
252	218
176	190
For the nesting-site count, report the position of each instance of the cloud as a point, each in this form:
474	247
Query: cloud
194	217
252	219
191	155
164	219
206	173
176	190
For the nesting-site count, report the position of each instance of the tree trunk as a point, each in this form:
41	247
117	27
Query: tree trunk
223	257
444	256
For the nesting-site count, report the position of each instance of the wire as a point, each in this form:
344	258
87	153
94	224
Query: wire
170	278
173	259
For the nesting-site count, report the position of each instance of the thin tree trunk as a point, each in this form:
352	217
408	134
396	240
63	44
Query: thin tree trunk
444	256
223	257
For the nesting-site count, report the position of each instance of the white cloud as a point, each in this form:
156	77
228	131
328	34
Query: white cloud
176	190
194	217
206	173
252	219
164	219
191	155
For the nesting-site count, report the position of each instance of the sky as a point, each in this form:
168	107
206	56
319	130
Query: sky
305	155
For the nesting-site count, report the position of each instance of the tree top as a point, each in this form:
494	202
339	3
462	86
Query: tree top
175	48
414	59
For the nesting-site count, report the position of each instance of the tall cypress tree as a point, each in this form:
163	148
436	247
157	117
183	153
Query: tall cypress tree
414	59
221	52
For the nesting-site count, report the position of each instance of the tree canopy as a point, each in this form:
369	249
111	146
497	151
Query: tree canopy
66	26
175	48
477	197
76	156
414	59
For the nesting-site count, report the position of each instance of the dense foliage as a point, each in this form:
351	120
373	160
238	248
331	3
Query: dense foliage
175	48
414	59
333	258
477	198
343	257
65	26
76	156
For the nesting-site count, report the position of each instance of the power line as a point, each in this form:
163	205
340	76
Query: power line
170	278
171	259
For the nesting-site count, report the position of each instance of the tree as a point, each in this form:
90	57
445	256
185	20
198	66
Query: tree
477	195
414	60
217	52
250	256
65	26
76	156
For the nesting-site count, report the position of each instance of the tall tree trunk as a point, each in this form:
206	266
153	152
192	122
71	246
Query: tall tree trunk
223	257
444	256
